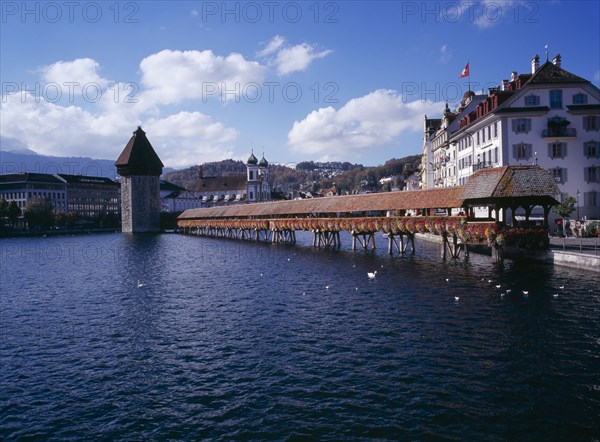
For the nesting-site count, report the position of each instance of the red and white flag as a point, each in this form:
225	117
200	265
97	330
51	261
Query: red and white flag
465	72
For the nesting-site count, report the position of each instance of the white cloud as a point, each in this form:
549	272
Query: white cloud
487	13
289	59
597	75
272	46
101	129
198	138
360	126
174	76
445	53
82	70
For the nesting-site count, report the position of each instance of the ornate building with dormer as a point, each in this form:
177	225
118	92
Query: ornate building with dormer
252	187
548	117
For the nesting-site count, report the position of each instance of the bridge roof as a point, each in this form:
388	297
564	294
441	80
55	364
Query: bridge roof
492	185
511	182
415	199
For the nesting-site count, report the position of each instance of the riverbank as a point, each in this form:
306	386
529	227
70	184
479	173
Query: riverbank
578	253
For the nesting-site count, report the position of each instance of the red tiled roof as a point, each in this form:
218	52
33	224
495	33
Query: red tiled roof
416	199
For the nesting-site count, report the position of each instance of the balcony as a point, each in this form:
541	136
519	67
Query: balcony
562	132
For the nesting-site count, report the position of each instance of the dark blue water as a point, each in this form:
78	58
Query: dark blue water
236	340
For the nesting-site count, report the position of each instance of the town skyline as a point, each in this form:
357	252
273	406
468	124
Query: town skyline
210	81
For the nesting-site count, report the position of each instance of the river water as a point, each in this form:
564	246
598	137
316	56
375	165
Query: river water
233	340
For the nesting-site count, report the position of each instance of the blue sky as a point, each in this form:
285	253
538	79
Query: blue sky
343	80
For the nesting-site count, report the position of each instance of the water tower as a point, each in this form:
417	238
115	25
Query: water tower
140	169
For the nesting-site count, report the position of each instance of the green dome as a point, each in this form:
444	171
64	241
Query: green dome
263	162
252	160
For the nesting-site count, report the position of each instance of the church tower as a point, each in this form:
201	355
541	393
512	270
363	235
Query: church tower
253	181
263	171
140	169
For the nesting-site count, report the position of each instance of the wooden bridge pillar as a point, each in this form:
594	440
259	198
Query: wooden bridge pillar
398	242
364	241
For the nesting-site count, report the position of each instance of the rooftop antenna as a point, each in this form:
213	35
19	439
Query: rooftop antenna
547	53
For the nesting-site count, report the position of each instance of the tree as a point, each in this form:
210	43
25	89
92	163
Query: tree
39	213
13	212
566	207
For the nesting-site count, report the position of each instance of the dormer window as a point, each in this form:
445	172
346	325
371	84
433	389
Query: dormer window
556	99
532	100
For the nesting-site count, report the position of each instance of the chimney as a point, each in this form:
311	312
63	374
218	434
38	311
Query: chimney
513	76
535	63
556	60
505	84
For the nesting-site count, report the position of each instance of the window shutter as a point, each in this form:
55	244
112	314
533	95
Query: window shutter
515	151
528	151
550	150
513	123
564	175
527	125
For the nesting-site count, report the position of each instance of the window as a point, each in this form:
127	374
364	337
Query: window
591	199
521	125
591	149
477	137
522	151
489	132
496	155
555	99
559	174
495	130
532	100
591	123
592	174
251	174
483	135
557	150
580	98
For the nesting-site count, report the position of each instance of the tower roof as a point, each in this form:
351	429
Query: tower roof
263	162
139	157
252	160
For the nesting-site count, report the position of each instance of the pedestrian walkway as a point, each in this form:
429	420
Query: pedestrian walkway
588	246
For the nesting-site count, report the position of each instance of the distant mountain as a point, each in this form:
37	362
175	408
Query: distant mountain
15	146
16	157
310	176
11	162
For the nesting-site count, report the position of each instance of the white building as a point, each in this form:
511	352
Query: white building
251	187
548	117
174	198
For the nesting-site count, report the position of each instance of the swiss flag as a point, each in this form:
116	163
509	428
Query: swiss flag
465	72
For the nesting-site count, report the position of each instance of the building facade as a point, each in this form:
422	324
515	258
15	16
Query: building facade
549	117
87	196
26	186
174	198
252	187
90	196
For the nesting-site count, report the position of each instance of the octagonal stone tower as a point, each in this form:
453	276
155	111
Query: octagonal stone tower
140	169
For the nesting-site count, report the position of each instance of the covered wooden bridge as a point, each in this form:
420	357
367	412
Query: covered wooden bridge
448	212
